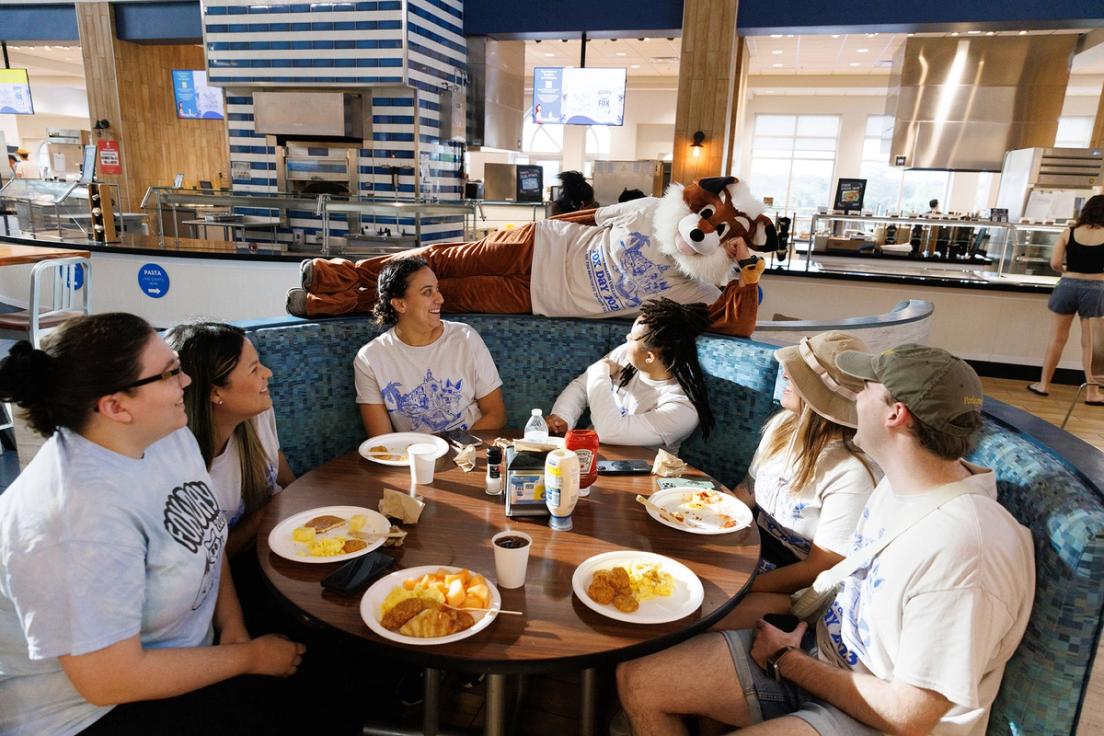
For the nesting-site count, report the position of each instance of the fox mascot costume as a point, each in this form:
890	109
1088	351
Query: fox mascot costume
690	245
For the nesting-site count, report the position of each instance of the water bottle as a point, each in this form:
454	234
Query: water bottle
536	429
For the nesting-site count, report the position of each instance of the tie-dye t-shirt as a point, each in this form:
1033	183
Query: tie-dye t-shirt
95	548
429	388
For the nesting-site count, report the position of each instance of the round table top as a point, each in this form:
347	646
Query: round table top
557	631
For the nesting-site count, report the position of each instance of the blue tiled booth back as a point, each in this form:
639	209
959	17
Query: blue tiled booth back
312	388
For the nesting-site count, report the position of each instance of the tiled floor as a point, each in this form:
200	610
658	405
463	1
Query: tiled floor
550	704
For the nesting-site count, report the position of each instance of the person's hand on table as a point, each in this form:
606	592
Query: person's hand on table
557	424
276	655
769	639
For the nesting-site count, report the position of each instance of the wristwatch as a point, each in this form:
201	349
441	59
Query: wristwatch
774	660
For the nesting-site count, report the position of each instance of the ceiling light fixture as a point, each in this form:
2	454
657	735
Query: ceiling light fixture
1023	33
871	35
862	51
777	51
954	34
835	35
973	33
777	66
621	53
855	63
635	66
990	33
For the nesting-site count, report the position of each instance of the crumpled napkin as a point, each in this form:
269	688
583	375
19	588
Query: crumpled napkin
402	506
395	541
667	465
465	458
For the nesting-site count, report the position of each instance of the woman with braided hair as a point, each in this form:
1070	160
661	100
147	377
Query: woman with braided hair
649	391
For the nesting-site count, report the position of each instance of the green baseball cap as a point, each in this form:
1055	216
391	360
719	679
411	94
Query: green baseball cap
937	387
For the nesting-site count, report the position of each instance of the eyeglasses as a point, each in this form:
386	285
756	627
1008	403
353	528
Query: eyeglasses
171	373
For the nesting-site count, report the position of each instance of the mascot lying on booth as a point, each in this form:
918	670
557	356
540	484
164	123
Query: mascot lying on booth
691	245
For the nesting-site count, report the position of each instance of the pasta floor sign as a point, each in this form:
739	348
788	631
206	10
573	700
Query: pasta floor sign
153	281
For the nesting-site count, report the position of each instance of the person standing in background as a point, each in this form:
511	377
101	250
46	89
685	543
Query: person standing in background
933	206
26	169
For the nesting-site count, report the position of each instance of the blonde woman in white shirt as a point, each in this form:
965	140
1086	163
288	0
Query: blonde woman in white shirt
808	482
649	391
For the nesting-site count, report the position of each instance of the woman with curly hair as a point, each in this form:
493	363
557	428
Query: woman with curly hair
649	391
424	374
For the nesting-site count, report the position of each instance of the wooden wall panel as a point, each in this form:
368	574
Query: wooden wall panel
708	83
159	143
130	86
1097	139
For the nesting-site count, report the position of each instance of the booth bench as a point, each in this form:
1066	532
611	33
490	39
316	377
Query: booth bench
1048	479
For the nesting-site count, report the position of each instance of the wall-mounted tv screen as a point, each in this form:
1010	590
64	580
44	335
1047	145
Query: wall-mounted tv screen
194	99
15	92
587	96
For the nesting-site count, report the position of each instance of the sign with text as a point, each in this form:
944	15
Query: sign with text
849	194
110	162
153	280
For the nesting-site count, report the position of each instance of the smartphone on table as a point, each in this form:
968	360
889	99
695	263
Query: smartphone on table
624	467
461	438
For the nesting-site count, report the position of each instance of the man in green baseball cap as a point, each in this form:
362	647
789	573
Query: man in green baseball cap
917	638
933	597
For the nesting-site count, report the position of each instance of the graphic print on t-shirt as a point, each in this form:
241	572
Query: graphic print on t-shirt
433	405
627	287
193	518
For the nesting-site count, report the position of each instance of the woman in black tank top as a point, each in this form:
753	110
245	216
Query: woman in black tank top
1079	257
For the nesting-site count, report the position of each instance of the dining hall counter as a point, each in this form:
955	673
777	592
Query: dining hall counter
981	318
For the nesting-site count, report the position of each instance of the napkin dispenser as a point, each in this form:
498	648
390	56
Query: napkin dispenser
524	489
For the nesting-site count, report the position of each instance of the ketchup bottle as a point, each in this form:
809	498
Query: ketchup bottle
585	444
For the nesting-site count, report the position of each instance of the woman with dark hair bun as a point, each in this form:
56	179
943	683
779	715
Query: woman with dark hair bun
651	390
1079	257
424	374
113	581
575	194
230	413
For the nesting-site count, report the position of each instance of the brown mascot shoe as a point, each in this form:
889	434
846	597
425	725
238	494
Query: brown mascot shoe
296	304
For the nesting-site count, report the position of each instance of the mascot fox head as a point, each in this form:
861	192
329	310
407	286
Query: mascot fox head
707	226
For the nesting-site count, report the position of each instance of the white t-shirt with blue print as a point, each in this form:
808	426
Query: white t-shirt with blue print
609	270
429	388
943	606
226	468
824	512
96	548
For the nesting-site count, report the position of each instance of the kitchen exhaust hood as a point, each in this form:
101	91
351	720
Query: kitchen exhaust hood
309	114
960	103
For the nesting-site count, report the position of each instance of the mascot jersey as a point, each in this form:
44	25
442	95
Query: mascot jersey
609	270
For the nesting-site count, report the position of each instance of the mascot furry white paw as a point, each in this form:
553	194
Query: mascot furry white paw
691	245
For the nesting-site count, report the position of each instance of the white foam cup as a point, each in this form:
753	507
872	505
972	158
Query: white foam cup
422	459
510	563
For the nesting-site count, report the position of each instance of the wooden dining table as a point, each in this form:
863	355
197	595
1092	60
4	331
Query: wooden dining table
556	631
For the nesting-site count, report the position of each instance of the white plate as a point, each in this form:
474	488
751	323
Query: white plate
375	595
703	521
280	541
396	444
686	599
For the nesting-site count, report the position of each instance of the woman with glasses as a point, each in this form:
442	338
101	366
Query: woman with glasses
117	614
230	413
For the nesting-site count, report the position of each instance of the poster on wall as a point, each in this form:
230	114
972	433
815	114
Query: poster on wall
110	162
153	280
194	99
572	96
15	92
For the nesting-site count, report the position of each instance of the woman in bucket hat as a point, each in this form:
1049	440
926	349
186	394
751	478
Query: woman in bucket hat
807	480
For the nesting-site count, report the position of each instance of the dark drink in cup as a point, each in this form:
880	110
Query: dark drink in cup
511	542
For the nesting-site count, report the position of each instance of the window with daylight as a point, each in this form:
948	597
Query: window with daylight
892	189
541	139
793	159
1074	131
883	182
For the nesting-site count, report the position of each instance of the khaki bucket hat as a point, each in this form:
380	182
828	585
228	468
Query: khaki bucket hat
814	375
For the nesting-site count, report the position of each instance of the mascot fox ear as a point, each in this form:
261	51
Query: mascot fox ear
716	184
